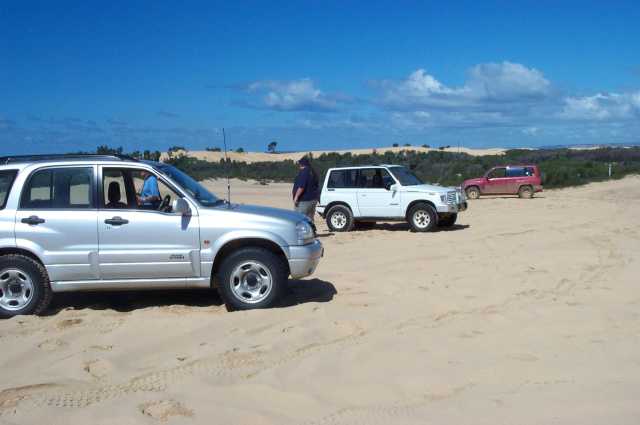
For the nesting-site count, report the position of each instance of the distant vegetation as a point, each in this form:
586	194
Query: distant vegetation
560	167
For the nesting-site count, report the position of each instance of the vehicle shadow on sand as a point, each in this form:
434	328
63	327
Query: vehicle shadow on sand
296	292
306	291
405	227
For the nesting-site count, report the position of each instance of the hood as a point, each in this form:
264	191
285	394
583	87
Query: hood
476	181
428	188
263	213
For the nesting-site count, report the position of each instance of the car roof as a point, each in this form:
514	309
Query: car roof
358	167
29	159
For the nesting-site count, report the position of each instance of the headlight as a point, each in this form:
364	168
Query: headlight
305	232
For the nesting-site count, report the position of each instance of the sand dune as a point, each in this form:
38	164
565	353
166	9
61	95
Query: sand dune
527	312
249	157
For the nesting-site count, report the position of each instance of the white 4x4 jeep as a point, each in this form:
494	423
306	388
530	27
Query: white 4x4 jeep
358	195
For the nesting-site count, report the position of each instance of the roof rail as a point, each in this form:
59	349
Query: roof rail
12	159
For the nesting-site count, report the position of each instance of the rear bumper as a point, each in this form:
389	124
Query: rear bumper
304	259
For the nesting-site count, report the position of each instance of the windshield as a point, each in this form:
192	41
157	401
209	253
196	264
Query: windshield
405	177
192	187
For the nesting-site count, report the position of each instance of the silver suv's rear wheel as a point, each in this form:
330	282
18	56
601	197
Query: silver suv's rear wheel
24	286
16	289
252	278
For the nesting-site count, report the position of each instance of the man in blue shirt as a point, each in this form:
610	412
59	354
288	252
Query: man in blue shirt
305	189
149	197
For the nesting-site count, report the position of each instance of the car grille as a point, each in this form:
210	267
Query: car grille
452	198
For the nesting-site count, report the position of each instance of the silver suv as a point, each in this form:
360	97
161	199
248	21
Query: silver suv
76	222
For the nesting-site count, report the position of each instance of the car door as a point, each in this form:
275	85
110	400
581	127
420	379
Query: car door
341	187
497	181
374	197
138	240
516	177
57	218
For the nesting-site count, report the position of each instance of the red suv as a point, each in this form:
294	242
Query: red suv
523	180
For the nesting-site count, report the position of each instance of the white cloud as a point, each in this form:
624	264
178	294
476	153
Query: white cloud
295	95
531	131
602	106
487	85
507	81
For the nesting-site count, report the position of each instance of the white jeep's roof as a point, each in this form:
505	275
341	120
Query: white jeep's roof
359	167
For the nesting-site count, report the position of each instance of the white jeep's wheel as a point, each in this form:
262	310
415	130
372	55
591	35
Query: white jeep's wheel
422	217
339	219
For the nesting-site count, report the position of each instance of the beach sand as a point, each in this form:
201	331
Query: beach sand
526	312
250	157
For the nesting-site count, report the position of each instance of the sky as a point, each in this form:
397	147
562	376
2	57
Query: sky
317	74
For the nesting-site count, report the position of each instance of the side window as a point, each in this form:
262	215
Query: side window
528	171
342	179
125	188
6	181
59	188
373	178
497	173
515	172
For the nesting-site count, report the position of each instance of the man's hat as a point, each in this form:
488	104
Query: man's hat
304	161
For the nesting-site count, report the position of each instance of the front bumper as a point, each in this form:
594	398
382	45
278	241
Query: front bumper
304	259
452	208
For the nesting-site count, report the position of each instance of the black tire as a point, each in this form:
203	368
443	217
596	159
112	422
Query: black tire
422	217
447	220
365	225
473	192
525	192
230	284
25	269
339	219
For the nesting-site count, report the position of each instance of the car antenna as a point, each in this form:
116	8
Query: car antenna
226	160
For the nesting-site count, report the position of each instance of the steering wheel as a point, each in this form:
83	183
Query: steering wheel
166	204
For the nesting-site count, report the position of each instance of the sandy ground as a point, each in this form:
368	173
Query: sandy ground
250	157
527	312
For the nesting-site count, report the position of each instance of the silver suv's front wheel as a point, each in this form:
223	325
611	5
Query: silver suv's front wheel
252	278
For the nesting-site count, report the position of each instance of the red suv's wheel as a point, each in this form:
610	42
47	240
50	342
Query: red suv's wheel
472	192
525	192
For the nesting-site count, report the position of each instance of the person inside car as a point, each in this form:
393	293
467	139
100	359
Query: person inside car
115	197
149	197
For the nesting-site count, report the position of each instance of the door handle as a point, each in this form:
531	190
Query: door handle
33	220
116	221
331	190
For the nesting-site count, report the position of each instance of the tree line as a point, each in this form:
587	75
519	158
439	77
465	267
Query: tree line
559	167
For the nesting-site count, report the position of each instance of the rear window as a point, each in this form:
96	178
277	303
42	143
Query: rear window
519	171
342	179
59	188
6	181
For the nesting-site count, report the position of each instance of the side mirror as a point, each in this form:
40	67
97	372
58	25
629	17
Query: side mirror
393	187
180	206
